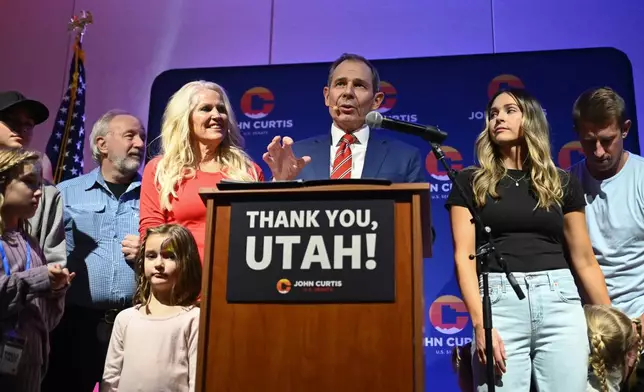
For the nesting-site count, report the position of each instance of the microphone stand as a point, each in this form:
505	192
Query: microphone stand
482	255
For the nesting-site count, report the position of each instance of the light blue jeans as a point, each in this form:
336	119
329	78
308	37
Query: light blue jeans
544	334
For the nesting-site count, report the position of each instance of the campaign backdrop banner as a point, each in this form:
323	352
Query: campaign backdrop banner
312	251
448	92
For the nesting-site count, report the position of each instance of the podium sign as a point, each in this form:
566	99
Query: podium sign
332	251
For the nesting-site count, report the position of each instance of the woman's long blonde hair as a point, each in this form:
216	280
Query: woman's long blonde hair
611	337
178	146
12	161
546	181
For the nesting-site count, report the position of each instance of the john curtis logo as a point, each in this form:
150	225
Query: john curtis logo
284	286
389	101
503	82
257	102
391	95
436	169
448	314
500	82
570	154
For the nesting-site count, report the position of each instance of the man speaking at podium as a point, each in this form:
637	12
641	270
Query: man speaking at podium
351	149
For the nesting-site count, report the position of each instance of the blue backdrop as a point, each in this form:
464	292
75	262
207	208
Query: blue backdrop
450	92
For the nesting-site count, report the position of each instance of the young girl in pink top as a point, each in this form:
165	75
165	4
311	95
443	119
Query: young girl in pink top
154	344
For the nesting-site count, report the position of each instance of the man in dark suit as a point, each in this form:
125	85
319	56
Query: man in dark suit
350	149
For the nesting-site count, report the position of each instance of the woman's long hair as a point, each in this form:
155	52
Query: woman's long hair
546	178
12	162
179	160
612	338
182	245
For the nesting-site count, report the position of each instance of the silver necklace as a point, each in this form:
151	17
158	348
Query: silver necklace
516	181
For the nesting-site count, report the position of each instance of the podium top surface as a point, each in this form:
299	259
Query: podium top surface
266	188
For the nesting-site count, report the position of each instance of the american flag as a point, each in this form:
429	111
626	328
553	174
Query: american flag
66	143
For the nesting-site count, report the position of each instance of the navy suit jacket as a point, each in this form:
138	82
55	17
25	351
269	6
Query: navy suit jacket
385	158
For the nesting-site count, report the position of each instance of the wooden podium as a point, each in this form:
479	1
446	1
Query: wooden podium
265	346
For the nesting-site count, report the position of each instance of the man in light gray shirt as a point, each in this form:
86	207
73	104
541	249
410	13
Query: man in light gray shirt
18	117
613	182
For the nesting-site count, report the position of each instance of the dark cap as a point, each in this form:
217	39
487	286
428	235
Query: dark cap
13	99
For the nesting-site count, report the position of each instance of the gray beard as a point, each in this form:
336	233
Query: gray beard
127	165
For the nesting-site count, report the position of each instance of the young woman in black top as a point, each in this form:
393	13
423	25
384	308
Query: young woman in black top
536	214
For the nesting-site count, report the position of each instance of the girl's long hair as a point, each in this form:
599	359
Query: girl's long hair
611	337
178	159
182	244
546	178
12	162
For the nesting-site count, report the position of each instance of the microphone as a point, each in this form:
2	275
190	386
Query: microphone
429	133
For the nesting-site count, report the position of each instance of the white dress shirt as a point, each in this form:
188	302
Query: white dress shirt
358	149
